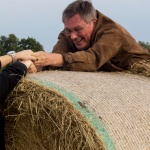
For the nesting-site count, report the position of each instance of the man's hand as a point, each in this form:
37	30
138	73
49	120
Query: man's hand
45	59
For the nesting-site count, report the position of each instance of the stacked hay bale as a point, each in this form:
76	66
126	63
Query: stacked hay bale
60	110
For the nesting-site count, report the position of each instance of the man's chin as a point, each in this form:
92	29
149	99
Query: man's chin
81	47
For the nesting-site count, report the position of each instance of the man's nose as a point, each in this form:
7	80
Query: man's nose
73	35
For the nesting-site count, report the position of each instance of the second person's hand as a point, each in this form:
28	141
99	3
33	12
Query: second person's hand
25	55
30	66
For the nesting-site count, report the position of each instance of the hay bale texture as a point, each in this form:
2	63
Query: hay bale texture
61	110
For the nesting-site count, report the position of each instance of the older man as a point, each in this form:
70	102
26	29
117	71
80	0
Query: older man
91	41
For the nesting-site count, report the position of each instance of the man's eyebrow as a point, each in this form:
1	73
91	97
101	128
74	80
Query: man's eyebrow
79	26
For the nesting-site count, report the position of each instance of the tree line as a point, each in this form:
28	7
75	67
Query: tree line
13	43
146	45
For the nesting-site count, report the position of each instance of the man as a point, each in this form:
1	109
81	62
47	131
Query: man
91	41
10	76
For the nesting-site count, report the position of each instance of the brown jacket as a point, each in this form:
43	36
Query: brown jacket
112	49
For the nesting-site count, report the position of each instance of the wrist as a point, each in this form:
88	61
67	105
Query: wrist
58	60
13	55
27	63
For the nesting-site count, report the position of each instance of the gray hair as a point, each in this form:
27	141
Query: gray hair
82	7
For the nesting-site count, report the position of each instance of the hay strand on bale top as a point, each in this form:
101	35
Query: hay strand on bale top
141	68
38	118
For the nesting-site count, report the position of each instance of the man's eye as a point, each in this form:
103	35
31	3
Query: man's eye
67	31
77	29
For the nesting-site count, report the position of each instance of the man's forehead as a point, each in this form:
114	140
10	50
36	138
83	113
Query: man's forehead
76	20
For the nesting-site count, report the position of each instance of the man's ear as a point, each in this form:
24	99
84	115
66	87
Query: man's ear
94	20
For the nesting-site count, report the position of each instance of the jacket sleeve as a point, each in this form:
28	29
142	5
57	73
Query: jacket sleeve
9	77
102	50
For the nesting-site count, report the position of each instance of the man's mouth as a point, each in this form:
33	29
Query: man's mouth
77	40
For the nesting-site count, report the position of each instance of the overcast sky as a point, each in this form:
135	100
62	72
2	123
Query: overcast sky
41	19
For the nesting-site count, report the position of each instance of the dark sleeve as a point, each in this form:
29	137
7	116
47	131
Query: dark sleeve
9	77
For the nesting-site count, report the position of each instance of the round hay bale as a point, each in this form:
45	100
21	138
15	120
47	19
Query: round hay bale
64	110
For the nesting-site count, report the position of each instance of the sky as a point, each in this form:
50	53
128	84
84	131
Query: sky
41	19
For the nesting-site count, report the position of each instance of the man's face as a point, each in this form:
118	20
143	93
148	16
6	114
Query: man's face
79	31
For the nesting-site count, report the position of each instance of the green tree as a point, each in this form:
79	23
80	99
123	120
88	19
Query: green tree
3	45
146	45
13	43
30	43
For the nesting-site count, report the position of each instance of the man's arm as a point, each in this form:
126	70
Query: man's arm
65	54
46	59
105	46
92	59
